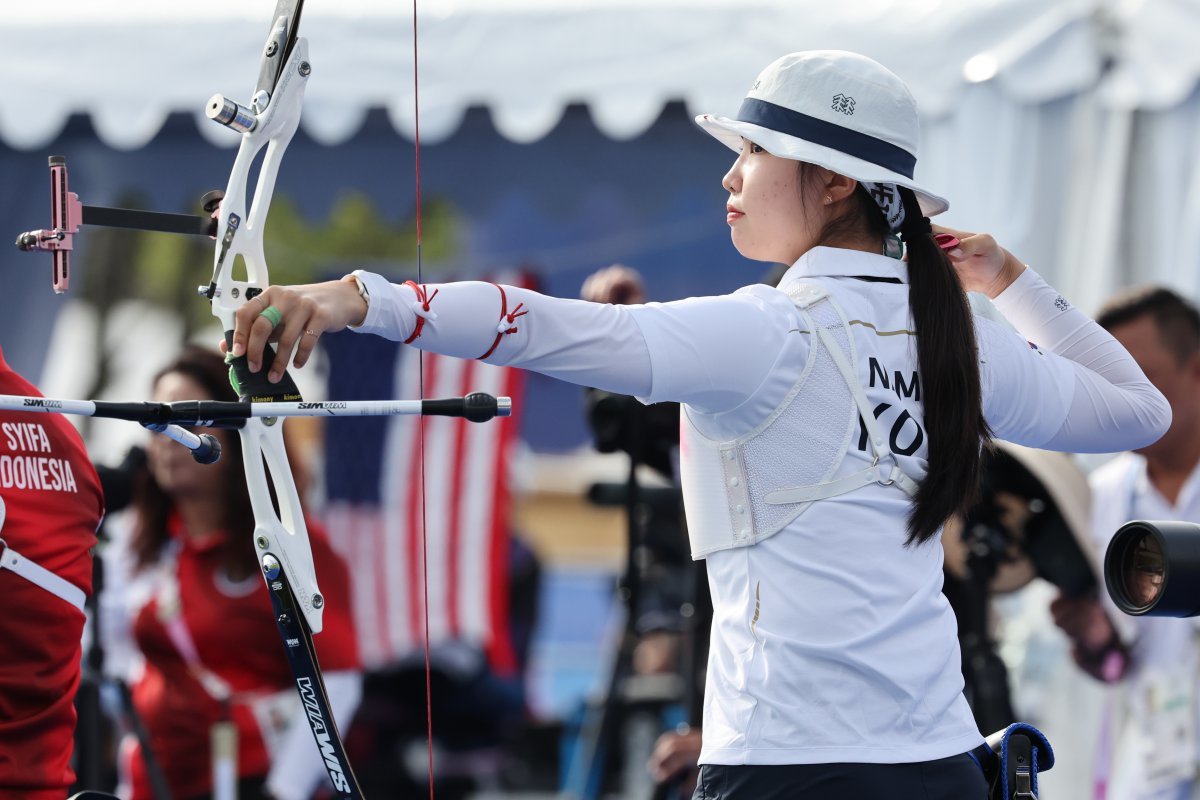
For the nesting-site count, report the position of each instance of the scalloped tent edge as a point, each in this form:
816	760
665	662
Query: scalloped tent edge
528	61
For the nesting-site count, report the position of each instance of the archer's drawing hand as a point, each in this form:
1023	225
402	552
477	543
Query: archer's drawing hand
982	264
304	313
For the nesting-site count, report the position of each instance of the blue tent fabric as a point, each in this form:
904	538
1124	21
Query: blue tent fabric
566	205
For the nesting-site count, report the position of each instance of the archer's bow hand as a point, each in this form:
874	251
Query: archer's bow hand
294	317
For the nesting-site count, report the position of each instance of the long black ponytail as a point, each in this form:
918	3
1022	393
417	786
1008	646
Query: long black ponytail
946	351
949	362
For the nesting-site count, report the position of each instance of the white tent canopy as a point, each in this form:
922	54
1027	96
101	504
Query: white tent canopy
129	64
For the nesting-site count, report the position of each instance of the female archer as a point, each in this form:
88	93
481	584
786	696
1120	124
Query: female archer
829	425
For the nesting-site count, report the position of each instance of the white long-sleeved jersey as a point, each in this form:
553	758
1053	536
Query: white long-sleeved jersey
831	640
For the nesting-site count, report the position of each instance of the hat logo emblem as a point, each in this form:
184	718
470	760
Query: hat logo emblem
843	103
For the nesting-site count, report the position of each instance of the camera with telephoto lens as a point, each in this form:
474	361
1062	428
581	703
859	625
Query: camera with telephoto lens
1044	545
1153	569
619	423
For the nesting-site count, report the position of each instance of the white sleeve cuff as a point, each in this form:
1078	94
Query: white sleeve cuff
387	313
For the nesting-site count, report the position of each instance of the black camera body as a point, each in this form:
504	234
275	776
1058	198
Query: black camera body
1046	539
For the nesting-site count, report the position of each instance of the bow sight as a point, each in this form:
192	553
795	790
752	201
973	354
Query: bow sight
67	214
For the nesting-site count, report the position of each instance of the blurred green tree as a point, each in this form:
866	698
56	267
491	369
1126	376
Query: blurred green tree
166	270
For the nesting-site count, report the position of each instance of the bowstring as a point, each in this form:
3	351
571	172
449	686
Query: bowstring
421	419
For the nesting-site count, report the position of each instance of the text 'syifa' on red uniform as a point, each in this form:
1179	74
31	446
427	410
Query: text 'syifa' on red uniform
53	506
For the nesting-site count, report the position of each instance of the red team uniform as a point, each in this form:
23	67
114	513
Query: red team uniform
231	632
54	504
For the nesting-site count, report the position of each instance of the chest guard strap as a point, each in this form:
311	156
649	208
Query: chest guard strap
884	468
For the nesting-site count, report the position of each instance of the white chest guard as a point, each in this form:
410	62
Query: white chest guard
739	492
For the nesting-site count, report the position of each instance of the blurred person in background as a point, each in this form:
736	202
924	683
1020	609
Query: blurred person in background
670	624
1030	521
50	507
1149	741
203	622
816	496
675	754
650	437
479	711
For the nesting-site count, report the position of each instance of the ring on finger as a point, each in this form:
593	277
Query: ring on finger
272	315
311	332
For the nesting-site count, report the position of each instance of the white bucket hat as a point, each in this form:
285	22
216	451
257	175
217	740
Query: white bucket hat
835	109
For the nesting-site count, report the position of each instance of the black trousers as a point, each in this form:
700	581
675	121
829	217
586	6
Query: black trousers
954	778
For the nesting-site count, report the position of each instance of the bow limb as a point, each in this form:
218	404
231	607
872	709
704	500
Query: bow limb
280	538
240	235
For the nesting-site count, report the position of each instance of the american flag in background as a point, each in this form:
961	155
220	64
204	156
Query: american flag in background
375	514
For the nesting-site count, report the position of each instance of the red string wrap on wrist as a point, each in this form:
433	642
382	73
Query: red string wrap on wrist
507	318
423	302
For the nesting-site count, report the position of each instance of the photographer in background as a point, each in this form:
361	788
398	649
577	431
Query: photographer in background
1030	521
1149	751
663	581
650	436
668	642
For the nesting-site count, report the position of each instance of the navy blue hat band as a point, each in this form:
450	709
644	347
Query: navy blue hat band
827	134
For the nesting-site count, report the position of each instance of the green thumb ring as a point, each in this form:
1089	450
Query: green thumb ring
272	314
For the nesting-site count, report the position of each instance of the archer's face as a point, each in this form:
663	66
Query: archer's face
171	463
767	210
